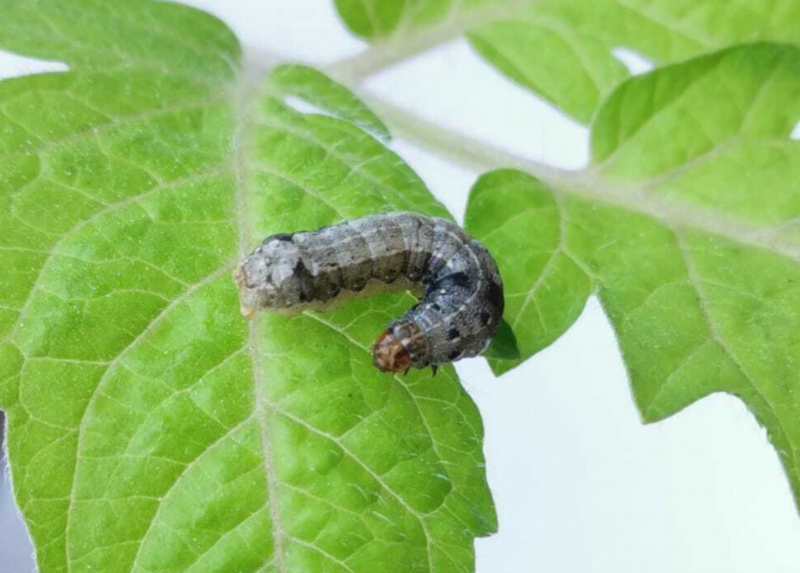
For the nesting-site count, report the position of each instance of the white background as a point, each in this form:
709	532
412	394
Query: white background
580	484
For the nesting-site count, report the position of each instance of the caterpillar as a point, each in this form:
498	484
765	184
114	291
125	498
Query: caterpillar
462	292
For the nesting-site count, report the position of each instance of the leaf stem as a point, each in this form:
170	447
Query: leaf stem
460	148
385	53
402	44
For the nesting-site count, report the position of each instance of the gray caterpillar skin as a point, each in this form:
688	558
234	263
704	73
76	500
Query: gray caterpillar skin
463	293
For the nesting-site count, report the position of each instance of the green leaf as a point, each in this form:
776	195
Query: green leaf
688	225
563	49
150	427
317	89
504	344
546	285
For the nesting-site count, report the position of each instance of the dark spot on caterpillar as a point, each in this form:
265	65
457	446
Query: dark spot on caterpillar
495	296
381	249
300	269
305	281
281	237
458	279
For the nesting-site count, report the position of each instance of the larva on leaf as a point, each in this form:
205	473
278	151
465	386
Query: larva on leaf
462	292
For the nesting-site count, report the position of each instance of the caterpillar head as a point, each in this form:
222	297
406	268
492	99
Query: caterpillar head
389	354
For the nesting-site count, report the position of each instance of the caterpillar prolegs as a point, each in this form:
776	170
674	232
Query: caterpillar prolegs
462	292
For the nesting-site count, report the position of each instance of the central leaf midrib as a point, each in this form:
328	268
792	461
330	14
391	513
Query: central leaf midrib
639	198
245	100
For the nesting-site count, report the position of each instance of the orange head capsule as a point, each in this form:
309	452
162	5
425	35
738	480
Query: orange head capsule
389	355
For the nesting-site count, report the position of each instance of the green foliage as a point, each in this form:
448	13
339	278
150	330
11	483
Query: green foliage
150	426
686	224
563	49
